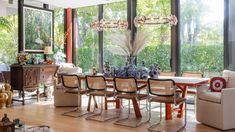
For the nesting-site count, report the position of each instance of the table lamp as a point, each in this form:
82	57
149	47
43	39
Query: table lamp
47	51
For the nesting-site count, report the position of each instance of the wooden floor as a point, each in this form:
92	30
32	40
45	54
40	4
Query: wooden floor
44	113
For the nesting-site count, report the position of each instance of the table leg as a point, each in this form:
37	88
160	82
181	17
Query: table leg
168	112
89	103
136	108
118	103
182	106
106	103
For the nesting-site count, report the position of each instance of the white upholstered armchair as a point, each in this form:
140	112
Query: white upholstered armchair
61	97
217	109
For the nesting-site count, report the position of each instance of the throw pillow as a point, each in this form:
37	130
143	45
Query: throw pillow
217	84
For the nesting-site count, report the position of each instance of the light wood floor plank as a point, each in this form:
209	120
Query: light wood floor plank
45	113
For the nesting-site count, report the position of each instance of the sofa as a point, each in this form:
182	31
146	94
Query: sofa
216	109
62	98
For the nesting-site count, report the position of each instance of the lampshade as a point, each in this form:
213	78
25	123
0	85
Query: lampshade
48	50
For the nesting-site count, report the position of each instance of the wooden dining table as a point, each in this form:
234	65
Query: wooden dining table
181	82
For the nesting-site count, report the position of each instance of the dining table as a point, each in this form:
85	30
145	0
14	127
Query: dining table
181	82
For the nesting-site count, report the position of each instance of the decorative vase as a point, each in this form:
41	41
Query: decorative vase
3	100
131	67
9	94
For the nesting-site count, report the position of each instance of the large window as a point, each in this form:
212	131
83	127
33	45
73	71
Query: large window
201	35
231	36
87	48
159	44
8	39
59	35
114	11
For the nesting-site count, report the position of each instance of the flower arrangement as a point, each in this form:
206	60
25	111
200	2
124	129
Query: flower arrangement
122	44
23	57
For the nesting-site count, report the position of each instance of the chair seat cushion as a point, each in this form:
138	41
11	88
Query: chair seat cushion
210	96
132	96
169	100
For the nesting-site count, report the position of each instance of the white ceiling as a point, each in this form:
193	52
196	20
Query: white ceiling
75	3
10	9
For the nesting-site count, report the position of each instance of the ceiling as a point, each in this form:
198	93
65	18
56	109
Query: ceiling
75	3
10	9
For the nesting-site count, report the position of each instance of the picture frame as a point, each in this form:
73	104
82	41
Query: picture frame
38	29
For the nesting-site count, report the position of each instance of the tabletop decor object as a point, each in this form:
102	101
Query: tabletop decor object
107	69
122	44
143	71
154	71
6	125
22	58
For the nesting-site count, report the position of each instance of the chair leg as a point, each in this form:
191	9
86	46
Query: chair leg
149	118
78	110
101	119
154	125
122	120
185	119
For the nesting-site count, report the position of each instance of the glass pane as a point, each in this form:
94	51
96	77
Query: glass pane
59	35
87	48
8	39
114	11
201	36
231	36
158	49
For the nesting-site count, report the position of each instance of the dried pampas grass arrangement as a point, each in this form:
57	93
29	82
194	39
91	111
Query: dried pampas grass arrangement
121	43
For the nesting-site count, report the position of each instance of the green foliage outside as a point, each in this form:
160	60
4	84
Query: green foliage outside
87	50
205	58
8	39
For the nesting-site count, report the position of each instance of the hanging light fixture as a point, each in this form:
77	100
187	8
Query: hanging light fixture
143	20
105	24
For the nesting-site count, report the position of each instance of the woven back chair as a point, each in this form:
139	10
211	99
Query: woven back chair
72	84
96	82
97	86
127	88
163	91
125	85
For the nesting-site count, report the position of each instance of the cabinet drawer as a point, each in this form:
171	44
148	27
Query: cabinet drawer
30	76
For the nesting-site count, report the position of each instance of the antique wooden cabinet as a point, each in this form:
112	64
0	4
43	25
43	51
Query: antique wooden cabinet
28	77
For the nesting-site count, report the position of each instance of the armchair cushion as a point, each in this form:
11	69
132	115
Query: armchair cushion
68	68
214	97
229	76
217	84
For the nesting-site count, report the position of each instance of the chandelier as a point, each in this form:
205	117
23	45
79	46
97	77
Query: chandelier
143	20
102	24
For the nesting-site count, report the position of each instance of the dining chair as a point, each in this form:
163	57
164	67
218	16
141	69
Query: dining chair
167	73
192	90
97	87
72	84
163	91
127	88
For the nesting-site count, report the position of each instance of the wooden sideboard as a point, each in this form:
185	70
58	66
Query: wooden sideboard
28	78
